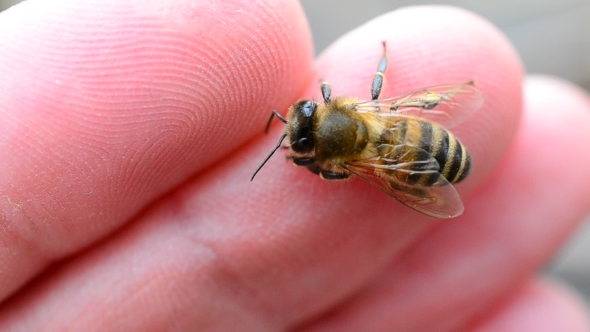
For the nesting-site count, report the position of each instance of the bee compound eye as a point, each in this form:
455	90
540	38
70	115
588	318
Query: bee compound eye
302	145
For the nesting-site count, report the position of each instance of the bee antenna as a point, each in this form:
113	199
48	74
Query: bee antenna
270	155
274	113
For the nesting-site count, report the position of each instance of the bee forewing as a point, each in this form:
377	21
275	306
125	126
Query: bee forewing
447	105
439	200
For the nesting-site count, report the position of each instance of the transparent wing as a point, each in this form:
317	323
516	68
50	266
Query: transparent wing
447	105
439	200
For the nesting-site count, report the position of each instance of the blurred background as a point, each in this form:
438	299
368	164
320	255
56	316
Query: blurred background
551	37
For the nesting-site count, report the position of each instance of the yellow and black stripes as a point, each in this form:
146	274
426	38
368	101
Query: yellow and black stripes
457	163
453	159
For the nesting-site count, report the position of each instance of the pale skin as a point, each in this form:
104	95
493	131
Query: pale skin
130	131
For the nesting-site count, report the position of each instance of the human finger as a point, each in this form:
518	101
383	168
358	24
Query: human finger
539	306
108	105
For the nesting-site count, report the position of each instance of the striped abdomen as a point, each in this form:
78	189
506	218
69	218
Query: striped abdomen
453	158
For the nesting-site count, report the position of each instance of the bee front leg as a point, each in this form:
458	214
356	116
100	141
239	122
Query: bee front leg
315	169
303	161
328	175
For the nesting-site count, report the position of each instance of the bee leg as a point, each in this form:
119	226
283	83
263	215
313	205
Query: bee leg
326	91
327	175
303	161
315	169
378	80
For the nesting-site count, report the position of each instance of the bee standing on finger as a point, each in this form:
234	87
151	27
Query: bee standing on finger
401	144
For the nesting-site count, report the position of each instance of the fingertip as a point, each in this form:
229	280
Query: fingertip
555	95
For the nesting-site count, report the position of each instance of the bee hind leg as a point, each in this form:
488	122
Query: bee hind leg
378	79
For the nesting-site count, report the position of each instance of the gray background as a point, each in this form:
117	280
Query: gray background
551	37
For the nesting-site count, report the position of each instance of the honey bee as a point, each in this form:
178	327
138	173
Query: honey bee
400	144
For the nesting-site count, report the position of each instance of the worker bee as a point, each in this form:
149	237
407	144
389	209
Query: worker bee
400	144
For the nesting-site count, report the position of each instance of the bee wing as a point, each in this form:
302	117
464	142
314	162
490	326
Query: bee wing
447	105
439	200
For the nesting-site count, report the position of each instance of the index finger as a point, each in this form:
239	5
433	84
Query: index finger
106	106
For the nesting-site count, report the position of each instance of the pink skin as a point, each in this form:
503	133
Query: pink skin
126	157
538	306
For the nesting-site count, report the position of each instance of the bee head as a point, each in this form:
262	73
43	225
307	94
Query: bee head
299	129
301	125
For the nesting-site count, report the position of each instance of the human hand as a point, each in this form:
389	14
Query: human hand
130	131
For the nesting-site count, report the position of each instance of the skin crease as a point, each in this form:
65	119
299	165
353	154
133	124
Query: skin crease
126	161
